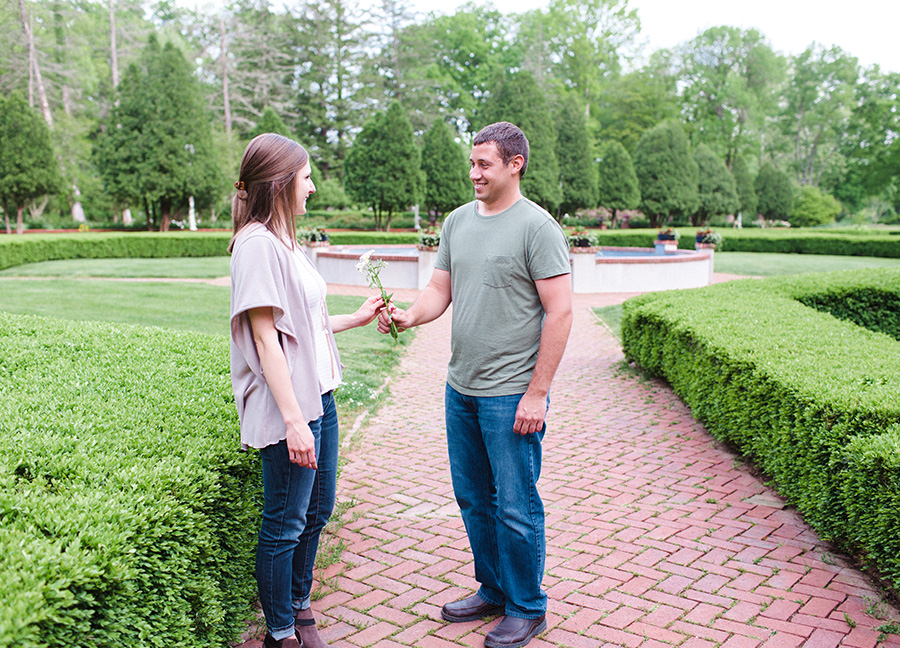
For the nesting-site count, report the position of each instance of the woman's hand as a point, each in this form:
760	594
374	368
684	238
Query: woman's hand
364	315
301	445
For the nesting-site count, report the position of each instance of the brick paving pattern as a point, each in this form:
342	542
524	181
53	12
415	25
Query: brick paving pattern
657	535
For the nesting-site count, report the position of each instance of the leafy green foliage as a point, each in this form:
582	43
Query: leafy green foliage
576	160
715	187
447	184
28	167
158	149
382	169
667	174
617	185
774	193
743	181
122	488
517	98
812	207
809	398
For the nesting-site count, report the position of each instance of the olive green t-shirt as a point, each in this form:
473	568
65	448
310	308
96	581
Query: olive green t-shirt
493	263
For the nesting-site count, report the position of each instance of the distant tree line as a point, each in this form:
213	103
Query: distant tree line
118	107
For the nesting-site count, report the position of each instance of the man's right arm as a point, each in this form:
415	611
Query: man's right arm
429	305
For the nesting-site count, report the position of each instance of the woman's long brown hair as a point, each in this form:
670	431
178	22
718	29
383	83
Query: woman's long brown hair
266	186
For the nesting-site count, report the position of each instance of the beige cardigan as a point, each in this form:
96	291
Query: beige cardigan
263	273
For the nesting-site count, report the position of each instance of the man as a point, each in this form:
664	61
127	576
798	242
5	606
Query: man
503	262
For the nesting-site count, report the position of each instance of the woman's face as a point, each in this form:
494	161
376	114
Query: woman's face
305	187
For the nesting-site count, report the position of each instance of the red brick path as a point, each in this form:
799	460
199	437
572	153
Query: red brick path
657	535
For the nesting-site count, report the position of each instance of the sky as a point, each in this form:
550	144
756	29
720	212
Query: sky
866	29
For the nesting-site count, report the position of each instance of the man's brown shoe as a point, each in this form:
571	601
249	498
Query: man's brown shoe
513	632
469	609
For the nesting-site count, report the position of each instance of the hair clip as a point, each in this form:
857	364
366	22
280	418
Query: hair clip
239	185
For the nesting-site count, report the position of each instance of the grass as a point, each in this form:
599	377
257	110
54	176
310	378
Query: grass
761	264
369	356
182	267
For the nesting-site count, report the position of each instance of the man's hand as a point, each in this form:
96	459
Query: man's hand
530	414
398	315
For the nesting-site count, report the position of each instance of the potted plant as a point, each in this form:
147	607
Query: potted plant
429	239
668	234
313	237
708	238
582	241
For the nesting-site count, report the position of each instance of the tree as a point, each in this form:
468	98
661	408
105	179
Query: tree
813	207
28	166
743	181
576	164
382	169
270	122
516	98
667	174
715	187
818	102
774	192
618	186
447	183
729	79
158	148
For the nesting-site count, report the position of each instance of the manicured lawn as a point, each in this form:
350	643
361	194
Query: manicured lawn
368	355
761	264
187	267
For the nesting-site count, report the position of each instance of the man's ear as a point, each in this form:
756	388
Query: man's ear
516	163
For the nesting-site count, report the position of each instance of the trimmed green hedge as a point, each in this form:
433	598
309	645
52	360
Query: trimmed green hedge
791	241
813	400
127	511
33	248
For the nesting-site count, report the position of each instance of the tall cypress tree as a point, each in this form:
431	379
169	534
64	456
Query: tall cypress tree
576	164
383	169
617	184
775	193
743	180
158	149
715	186
667	174
447	184
28	167
515	97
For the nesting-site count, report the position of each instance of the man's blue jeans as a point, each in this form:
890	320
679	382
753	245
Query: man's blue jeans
298	503
495	473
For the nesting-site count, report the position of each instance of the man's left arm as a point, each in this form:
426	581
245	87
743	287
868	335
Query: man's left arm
556	297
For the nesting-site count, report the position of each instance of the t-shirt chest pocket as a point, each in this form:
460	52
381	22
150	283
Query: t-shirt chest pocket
498	271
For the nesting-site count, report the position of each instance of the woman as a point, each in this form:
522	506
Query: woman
284	367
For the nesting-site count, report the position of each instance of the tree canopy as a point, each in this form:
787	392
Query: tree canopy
444	164
667	174
715	187
618	186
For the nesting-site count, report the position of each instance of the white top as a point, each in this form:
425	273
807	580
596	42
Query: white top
315	289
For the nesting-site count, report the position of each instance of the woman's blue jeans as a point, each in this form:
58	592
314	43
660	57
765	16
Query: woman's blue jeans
495	473
298	503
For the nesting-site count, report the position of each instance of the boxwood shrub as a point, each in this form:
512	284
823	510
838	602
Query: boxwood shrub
33	248
802	375
127	511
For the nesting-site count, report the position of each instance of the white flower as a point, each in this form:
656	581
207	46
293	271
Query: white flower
364	261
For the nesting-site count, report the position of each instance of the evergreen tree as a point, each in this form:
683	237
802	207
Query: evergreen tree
667	174
743	181
814	208
715	186
618	186
383	169
28	167
270	122
774	193
447	183
158	149
516	98
576	165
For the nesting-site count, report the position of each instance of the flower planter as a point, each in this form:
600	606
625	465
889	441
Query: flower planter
316	244
426	248
583	249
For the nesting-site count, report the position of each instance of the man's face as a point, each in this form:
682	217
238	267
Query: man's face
492	179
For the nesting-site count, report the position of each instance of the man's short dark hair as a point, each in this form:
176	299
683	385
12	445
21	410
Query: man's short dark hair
510	142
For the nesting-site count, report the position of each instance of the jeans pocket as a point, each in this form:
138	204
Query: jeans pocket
498	271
